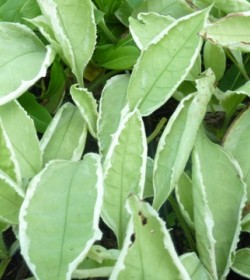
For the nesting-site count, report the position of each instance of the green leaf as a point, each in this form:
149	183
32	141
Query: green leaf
231	31
245	223
178	139
54	239
21	132
158	72
148	188
184	196
74	29
19	10
214	58
152	248
216	178
147	27
65	136
112	101
24	60
241	264
11	198
87	106
236	138
124	172
36	111
194	267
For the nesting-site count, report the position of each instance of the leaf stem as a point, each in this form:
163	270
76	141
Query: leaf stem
157	130
94	272
107	32
183	224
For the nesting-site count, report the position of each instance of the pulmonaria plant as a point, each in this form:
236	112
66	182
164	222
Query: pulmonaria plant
80	83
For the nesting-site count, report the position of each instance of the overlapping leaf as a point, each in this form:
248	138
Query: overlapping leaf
217	178
74	31
178	138
60	215
65	136
24	60
152	248
241	264
125	167
173	53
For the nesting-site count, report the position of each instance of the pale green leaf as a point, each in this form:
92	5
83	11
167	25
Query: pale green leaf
23	61
241	264
237	143
165	63
148	188
245	223
178	139
231	31
20	129
195	71
74	29
152	248
10	200
147	27
65	136
216	178
112	101
87	106
184	196
214	58
194	267
60	215
124	172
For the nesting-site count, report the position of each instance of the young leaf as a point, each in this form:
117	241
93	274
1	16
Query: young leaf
152	248
241	264
124	172
231	31
147	27
24	60
183	192
214	58
216	178
74	29
65	136
178	139
112	101
87	106
165	63
236	137
21	132
11	198
56	238
194	267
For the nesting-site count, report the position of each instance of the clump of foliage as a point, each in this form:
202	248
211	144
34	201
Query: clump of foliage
119	121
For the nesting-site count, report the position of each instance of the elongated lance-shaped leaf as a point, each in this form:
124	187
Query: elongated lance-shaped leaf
11	198
21	132
124	172
60	215
152	248
74	29
65	136
231	31
194	267
8	163
112	101
183	193
236	138
147	27
227	6
87	106
241	264
217	178
165	63
178	139
24	60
